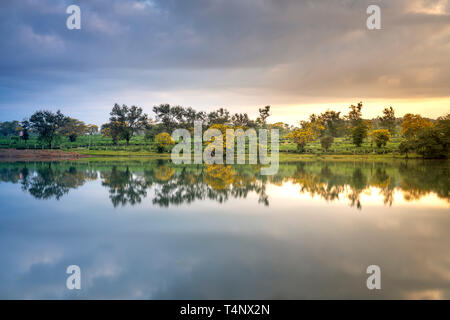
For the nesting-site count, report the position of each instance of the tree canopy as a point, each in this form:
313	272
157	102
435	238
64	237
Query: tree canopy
47	124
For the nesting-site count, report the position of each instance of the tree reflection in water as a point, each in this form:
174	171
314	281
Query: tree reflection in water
46	180
124	187
130	182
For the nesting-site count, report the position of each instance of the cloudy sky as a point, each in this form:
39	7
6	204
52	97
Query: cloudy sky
299	56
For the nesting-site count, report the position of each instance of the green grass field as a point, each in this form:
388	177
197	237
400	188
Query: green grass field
103	146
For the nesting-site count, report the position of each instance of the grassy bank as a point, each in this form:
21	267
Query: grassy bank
102	147
142	156
140	144
283	156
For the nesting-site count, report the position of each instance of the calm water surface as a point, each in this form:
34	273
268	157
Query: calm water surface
149	229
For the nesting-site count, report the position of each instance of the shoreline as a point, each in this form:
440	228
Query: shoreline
11	155
283	156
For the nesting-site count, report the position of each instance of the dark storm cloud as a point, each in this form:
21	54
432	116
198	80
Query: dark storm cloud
271	47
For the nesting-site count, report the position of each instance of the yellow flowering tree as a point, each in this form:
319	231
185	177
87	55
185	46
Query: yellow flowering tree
163	140
222	128
412	124
306	134
380	137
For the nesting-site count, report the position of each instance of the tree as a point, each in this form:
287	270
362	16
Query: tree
242	120
359	133
264	113
73	128
223	129
380	137
405	147
220	116
172	117
358	127
281	126
425	138
326	142
47	124
412	124
443	128
190	116
113	130
150	133
306	134
91	130
163	140
387	121
9	128
332	121
430	144
355	114
164	114
131	119
151	130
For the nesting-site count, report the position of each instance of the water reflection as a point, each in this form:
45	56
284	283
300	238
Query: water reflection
142	229
124	187
130	183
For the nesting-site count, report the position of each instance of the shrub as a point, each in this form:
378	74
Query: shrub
326	142
162	141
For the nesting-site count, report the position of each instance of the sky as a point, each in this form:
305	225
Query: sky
299	56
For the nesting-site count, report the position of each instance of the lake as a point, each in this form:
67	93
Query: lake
153	230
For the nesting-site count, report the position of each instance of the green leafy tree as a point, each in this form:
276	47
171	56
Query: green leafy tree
358	127
114	130
326	142
73	128
172	117
220	116
264	113
332	121
129	120
47	125
359	133
165	115
425	138
9	128
152	130
387	121
431	144
405	147
443	127
355	114
241	120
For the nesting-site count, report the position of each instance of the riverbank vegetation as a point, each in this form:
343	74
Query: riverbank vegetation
131	131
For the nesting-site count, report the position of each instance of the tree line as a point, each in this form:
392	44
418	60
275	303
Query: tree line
427	137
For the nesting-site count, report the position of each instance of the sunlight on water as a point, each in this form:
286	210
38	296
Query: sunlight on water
371	196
